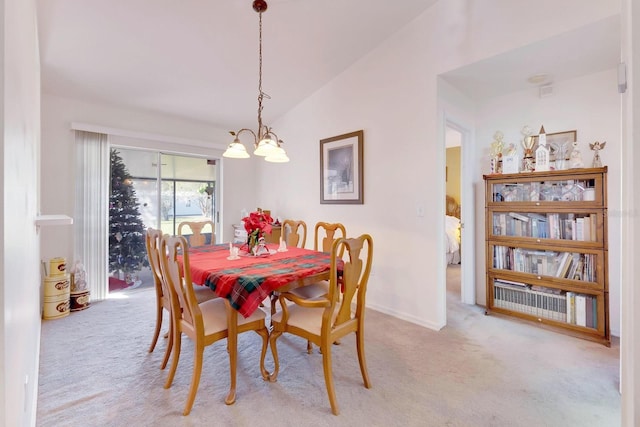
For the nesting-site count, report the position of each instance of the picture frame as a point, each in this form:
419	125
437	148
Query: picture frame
341	169
556	139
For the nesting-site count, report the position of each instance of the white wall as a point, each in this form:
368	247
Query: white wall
630	296
19	261
590	105
151	131
392	94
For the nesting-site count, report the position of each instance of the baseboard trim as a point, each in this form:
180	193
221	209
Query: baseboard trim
406	317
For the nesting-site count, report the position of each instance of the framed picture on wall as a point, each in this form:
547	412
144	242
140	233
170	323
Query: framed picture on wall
341	169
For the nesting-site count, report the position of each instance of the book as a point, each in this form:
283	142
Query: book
581	309
503	224
519	216
593	223
537	216
587	229
571	307
506	282
562	260
589	311
574	267
567	266
580	229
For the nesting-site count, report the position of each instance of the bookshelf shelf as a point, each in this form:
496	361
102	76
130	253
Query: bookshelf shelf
546	249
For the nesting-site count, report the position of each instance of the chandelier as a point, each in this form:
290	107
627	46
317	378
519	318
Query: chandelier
266	142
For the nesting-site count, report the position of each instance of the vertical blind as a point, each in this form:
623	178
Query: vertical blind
91	210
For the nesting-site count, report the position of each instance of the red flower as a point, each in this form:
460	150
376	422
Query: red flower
258	221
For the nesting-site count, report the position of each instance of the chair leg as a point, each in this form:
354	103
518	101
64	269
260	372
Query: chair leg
309	347
274	350
233	367
328	376
272	300
177	338
264	333
167	351
361	358
195	380
156	333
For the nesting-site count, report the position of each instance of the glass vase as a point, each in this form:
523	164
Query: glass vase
252	243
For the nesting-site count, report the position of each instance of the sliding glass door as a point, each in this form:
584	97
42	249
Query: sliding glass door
168	189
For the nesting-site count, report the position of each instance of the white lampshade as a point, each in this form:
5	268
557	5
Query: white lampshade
236	150
277	156
265	147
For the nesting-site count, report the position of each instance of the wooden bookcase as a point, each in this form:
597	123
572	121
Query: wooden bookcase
546	249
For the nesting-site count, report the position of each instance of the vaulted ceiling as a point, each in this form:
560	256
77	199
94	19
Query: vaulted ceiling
198	59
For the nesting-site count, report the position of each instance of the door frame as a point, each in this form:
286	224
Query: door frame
467	212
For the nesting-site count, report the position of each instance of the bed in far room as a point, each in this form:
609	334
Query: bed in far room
452	228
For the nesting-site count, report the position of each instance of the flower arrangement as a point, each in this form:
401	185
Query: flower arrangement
257	225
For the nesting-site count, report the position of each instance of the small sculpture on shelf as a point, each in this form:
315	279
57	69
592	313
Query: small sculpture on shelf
575	158
561	151
596	147
510	160
527	143
496	152
542	152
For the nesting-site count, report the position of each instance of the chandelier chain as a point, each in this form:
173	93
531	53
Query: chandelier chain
260	93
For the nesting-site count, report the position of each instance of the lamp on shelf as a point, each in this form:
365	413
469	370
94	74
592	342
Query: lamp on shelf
266	142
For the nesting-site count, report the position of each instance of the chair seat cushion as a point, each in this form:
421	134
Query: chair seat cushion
214	316
312	291
309	319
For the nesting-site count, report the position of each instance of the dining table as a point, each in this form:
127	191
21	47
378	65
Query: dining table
247	280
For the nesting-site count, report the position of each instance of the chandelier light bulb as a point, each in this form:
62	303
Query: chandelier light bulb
277	156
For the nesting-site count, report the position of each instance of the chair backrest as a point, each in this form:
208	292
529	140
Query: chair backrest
196	238
183	298
328	230
294	233
353	284
152	242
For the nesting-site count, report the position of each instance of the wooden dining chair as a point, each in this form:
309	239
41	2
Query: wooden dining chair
294	233
196	238
323	321
163	299
203	323
324	235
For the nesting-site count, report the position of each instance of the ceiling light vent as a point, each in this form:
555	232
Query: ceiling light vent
545	91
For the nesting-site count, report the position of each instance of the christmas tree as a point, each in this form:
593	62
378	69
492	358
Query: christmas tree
127	250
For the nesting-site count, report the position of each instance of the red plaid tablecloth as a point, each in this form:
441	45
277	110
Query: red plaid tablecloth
247	281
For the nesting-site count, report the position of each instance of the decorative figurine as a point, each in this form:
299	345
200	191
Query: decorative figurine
561	150
496	152
527	144
575	158
510	160
596	147
542	152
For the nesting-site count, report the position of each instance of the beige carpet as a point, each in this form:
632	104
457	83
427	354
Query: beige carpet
478	371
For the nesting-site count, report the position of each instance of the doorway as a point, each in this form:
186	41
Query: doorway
453	142
459	211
